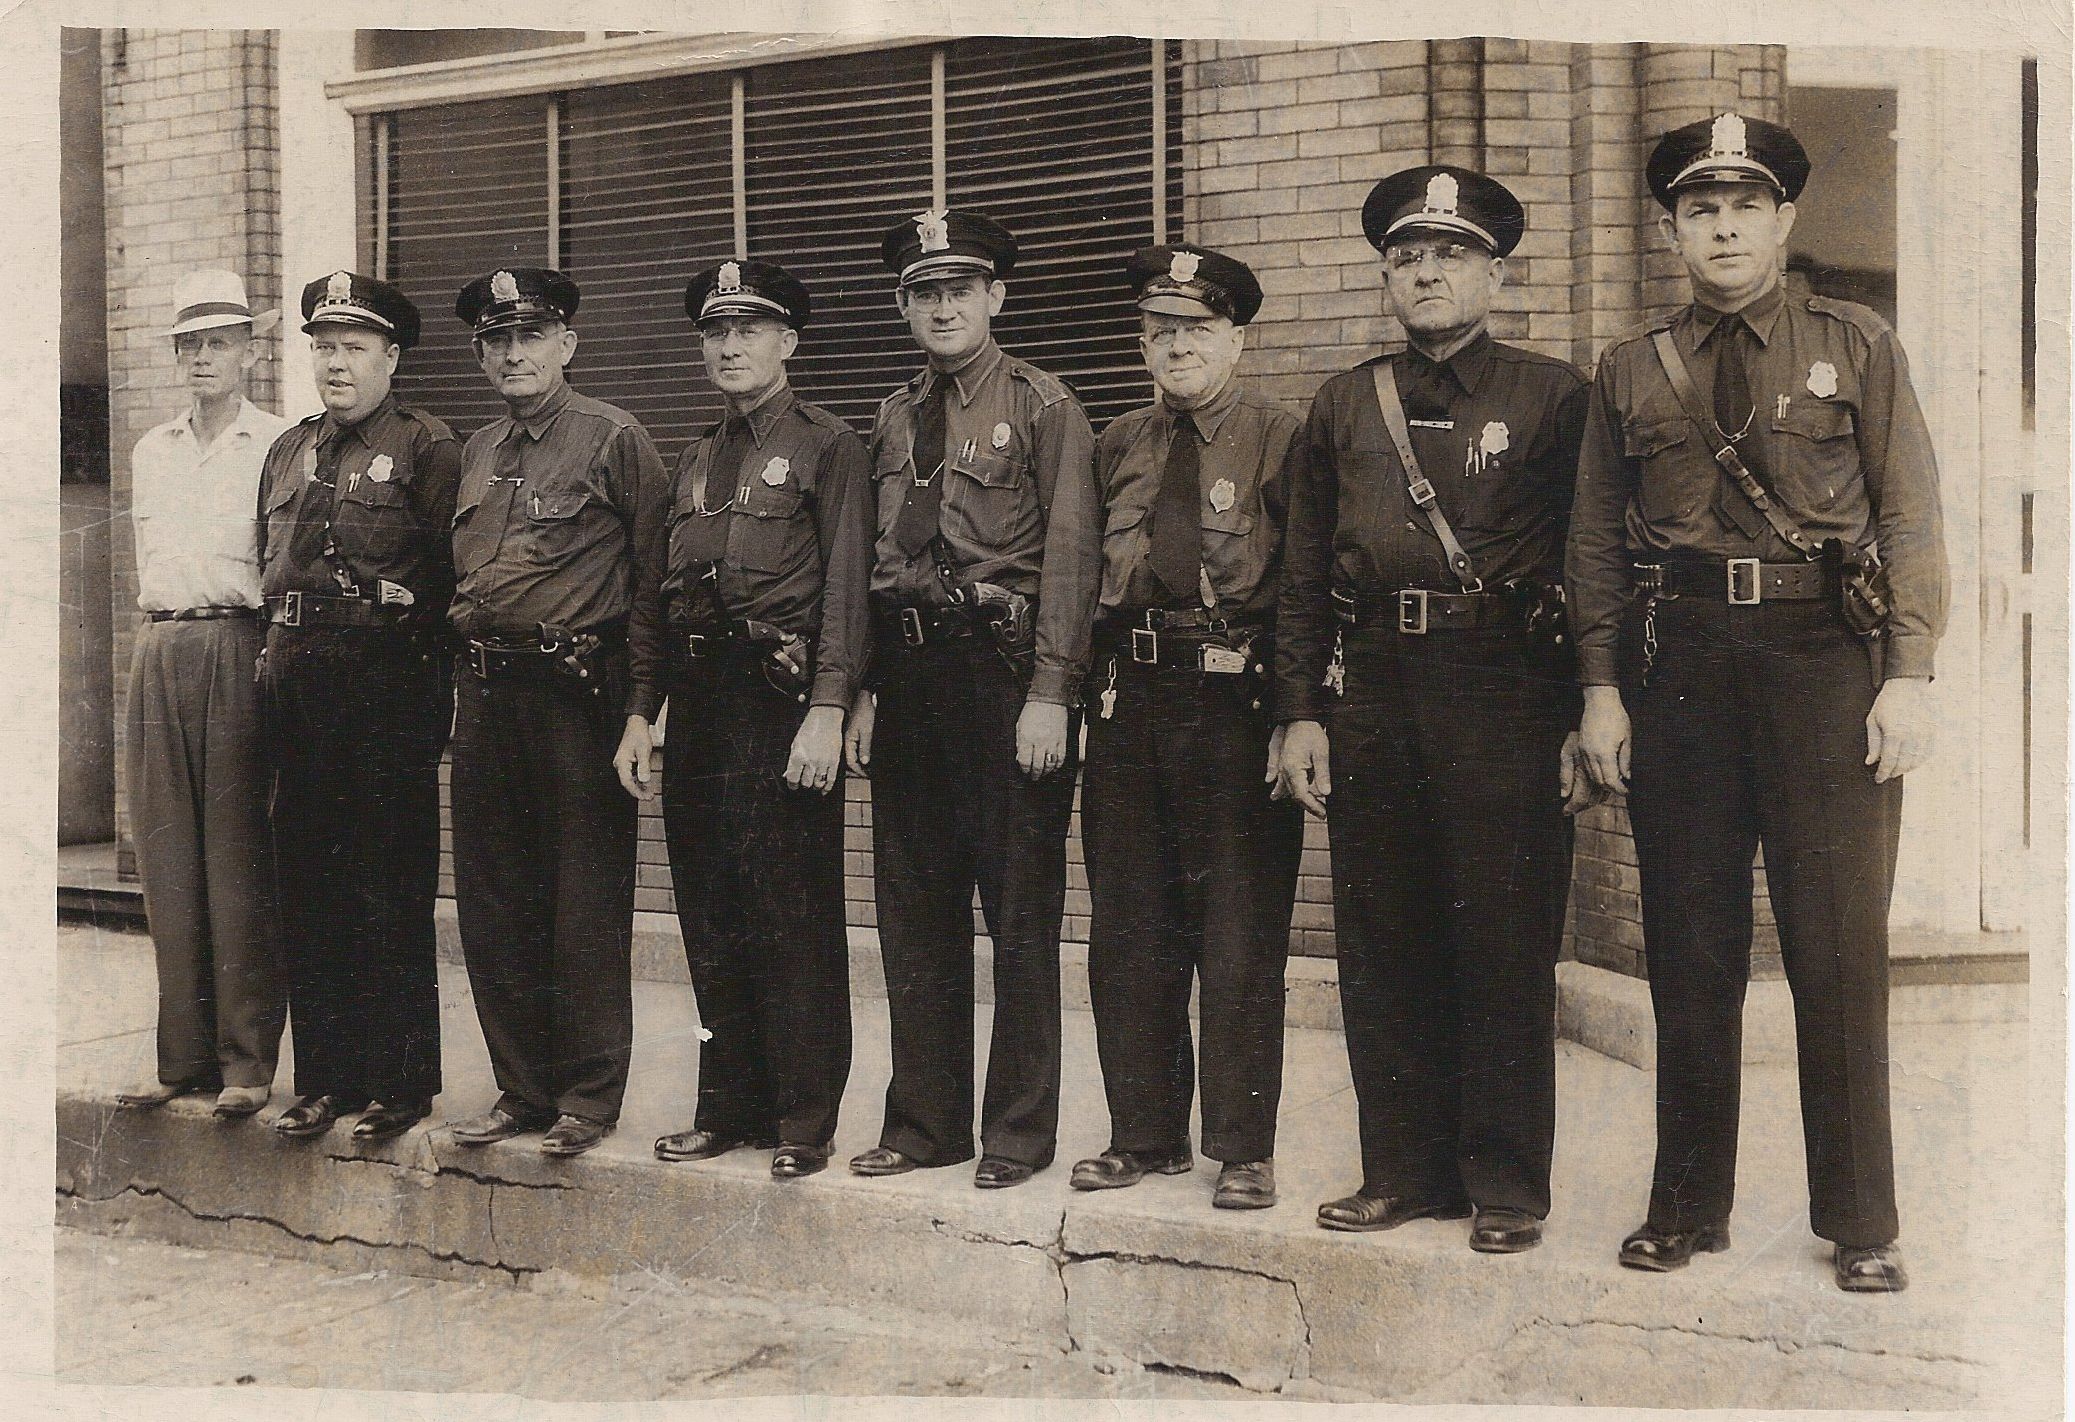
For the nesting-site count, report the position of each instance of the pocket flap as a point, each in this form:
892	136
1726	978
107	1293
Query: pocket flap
1642	439
1124	516
1232	520
992	470
555	505
1820	419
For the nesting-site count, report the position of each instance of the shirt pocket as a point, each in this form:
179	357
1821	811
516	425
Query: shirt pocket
555	522
1674	475
1232	556
1124	551
1815	456
375	523
767	533
988	495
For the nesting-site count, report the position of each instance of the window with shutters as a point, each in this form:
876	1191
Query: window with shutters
1074	144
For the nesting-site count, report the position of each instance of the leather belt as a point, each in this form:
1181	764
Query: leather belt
199	614
1418	611
302	609
1741	582
493	657
1199	643
924	626
740	635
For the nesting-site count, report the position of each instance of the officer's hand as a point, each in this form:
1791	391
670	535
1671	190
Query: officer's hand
817	750
1603	737
1306	766
1574	781
632	758
1040	738
1899	728
1274	773
857	734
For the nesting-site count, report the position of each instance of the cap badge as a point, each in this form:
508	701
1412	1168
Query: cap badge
338	288
775	472
381	470
504	287
1222	495
1182	269
728	282
1000	437
1442	194
932	229
1822	380
1727	139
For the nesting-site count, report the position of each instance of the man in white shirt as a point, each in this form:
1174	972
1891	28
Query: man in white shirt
197	787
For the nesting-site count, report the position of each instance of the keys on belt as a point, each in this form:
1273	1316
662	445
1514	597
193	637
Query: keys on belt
1741	582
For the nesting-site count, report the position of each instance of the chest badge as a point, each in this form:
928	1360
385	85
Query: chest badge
1222	494
1494	440
1822	380
382	469
1000	438
775	472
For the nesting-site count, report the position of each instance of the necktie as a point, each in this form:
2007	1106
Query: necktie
1177	534
1736	414
917	523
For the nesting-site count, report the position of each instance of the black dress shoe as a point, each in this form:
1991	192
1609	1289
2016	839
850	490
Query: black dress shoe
573	1135
882	1160
494	1125
1245	1185
1362	1211
998	1172
790	1162
1662	1250
1500	1230
314	1115
696	1144
385	1119
1117	1169
1870	1269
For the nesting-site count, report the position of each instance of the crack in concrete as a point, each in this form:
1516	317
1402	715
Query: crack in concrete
1781	1345
145	1191
442	1167
764	1354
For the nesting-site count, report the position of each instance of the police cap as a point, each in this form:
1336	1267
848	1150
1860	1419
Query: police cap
516	296
1187	280
1728	148
747	288
1438	197
945	242
358	300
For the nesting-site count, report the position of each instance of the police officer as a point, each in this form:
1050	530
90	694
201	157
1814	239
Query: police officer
356	503
1438	569
770	547
1759	715
558	551
1192	866
984	582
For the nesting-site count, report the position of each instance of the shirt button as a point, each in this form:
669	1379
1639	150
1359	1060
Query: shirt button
1411	526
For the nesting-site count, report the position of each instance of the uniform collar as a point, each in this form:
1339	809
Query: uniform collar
330	427
775	407
1206	417
1467	365
537	423
969	377
1761	315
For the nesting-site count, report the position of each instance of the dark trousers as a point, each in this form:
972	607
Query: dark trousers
758	872
198	818
356	719
544	884
1192	870
1451	860
1752	730
950	810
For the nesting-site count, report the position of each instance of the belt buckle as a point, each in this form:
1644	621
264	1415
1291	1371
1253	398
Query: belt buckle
911	626
1412	611
479	659
695	644
292	609
1145	646
1746	588
1422	492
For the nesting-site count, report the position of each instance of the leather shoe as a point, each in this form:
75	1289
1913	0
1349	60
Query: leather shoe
573	1135
494	1125
1116	1169
790	1162
1362	1211
235	1103
696	1144
1245	1185
882	1160
996	1172
1870	1269
1502	1230
385	1119
158	1093
1662	1250
314	1115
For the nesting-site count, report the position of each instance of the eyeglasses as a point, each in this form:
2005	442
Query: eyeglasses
1450	257
1163	336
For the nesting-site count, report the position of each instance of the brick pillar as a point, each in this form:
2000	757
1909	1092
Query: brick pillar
1455	128
192	181
1527	106
1607	192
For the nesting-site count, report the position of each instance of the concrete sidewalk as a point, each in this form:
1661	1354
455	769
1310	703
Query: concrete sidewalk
1152	1275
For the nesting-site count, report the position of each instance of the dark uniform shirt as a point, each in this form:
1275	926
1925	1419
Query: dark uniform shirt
787	523
561	521
380	492
1496	432
1019	507
1845	445
1246	442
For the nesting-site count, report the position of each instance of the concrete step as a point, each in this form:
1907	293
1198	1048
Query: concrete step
1150	1275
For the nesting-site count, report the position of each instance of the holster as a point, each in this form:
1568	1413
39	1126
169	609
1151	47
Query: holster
1547	621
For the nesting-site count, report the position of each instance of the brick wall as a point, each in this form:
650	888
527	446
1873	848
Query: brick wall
191	181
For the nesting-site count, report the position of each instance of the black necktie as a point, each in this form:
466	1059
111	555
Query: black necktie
1177	535
917	524
1736	414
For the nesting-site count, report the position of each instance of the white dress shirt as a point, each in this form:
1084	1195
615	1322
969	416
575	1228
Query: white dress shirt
196	511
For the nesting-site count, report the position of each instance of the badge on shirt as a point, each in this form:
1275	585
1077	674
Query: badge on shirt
1222	494
1000	437
1493	441
774	472
381	469
393	594
1822	380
